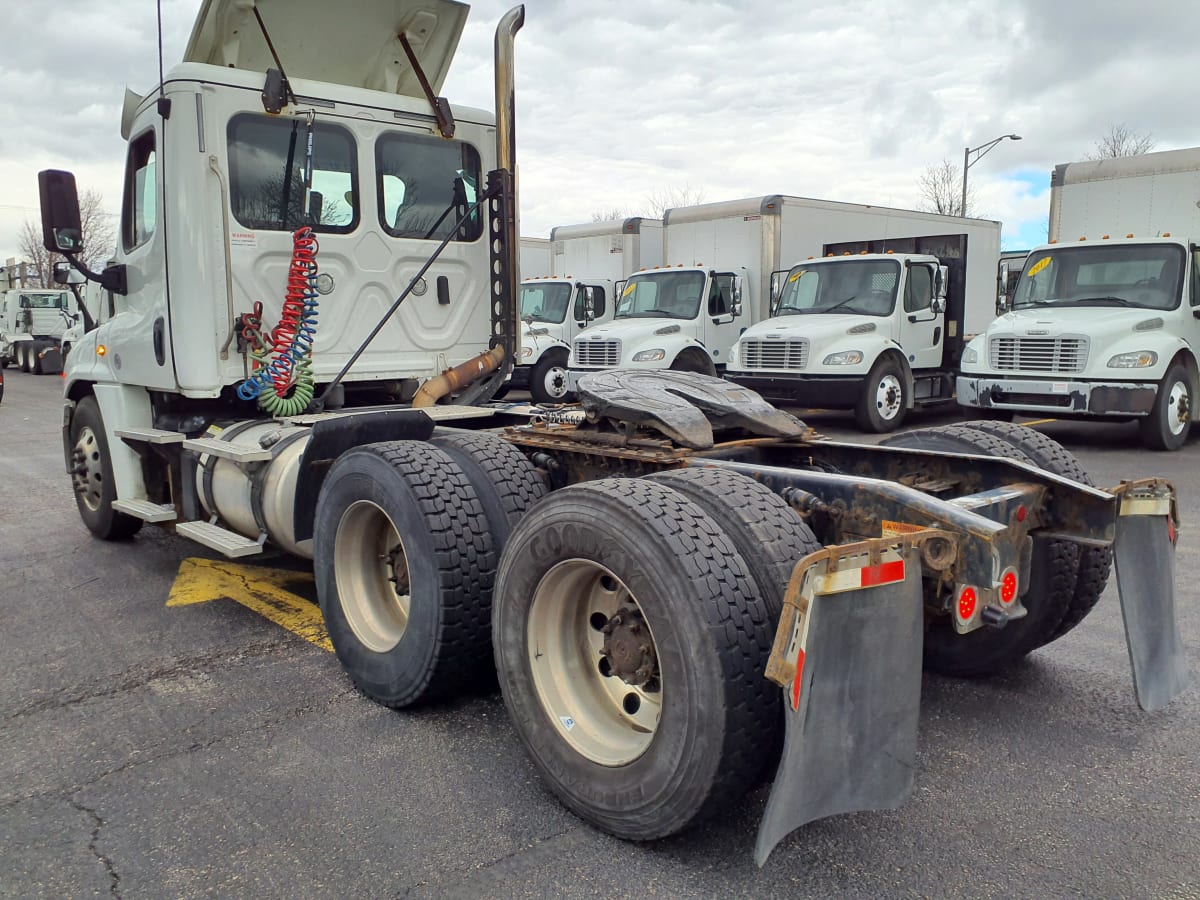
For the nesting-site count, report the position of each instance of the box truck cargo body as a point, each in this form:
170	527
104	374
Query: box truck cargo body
535	256
1103	322
738	248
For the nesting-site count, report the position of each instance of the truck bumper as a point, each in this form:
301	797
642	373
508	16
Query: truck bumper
833	392
1094	398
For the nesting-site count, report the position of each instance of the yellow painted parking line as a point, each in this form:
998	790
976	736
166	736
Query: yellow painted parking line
264	591
1038	422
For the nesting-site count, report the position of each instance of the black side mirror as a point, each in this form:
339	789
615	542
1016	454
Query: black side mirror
61	229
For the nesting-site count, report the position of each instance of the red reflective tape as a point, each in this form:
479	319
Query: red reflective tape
884	573
796	680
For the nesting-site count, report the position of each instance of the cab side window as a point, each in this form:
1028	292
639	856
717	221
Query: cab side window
720	296
139	210
597	302
1196	278
918	290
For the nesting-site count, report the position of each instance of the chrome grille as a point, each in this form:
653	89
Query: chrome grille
1064	355
774	354
597	354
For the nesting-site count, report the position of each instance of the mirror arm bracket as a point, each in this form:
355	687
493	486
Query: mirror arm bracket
112	278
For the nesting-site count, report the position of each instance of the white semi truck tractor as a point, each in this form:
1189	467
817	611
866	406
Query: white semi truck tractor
873	326
32	325
1104	323
317	280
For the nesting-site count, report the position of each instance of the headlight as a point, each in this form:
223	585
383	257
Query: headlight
845	358
526	352
970	355
649	355
1140	359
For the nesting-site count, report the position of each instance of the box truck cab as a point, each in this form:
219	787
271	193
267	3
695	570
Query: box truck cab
1098	329
873	326
553	310
1102	324
682	317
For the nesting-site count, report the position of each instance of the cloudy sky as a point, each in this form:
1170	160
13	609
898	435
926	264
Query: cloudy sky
618	99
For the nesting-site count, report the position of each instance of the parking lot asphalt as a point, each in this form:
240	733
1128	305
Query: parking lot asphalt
202	749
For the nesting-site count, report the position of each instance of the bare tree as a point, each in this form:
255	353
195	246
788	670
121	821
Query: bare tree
658	202
99	241
612	214
1121	140
940	191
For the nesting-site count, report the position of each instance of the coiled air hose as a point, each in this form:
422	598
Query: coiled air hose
282	377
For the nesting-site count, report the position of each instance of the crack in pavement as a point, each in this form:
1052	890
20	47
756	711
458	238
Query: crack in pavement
144	676
467	884
114	880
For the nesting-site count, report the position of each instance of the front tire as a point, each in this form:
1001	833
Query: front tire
92	475
404	567
548	381
694	361
884	401
630	647
1167	426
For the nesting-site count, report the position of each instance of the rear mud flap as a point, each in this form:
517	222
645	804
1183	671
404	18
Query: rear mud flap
848	656
1144	552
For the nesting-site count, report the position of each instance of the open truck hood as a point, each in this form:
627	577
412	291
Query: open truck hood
354	42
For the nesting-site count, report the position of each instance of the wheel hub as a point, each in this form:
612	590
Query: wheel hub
629	649
556	382
87	474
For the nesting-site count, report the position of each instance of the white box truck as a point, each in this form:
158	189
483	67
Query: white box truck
874	326
590	263
535	256
1103	322
721	260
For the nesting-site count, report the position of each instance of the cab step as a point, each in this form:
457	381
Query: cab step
145	510
150	435
220	539
238	453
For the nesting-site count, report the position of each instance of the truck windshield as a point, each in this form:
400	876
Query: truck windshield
661	295
1147	276
546	302
866	287
43	301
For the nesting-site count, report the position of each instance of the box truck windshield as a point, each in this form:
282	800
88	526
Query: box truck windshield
546	302
867	288
671	295
1145	276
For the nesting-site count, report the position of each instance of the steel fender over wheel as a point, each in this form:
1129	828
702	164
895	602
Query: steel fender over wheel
768	533
630	646
548	380
1170	419
1052	578
404	564
884	401
504	479
92	475
1094	562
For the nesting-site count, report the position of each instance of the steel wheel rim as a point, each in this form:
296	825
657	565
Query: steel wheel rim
602	717
555	382
1177	408
887	396
367	555
88	476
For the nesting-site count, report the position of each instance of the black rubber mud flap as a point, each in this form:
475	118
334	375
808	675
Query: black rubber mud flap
685	406
848	655
1145	556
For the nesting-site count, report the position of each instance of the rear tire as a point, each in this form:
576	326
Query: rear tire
404	569
1094	562
636	761
884	401
1052	578
768	534
24	358
92	475
1167	426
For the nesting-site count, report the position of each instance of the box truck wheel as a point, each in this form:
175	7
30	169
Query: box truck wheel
630	647
1094	562
24	357
1052	579
1166	428
694	360
92	475
548	381
404	565
884	400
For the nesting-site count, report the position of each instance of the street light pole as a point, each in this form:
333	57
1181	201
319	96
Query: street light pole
979	152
